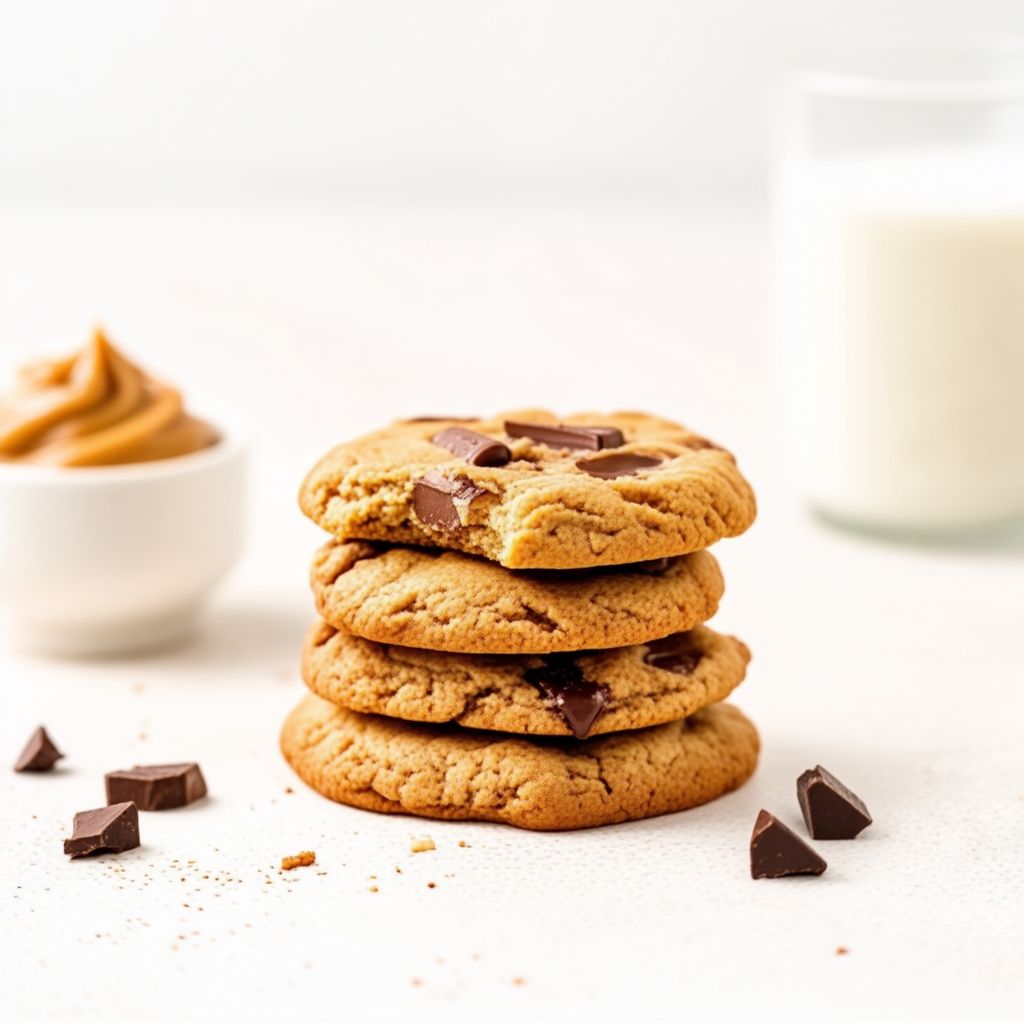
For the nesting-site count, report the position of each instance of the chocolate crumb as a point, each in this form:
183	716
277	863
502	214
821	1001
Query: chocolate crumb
299	860
841	951
431	885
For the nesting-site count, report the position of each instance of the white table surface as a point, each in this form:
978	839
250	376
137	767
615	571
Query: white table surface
897	668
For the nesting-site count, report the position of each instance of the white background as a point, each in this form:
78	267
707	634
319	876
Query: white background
333	215
183	97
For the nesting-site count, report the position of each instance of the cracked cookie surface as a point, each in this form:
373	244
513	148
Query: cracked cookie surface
664	491
449	601
637	686
458	774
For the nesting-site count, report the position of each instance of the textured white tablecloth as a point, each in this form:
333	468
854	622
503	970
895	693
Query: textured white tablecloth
899	669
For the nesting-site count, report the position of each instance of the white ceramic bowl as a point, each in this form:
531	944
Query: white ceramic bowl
119	558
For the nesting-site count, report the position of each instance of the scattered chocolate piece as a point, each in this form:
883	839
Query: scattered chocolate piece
676	653
157	787
40	753
561	683
594	438
617	464
476	449
112	829
777	851
444	502
831	811
300	860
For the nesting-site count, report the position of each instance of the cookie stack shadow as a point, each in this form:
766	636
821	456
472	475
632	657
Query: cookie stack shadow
510	622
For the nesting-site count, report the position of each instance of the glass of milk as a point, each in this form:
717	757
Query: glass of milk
899	208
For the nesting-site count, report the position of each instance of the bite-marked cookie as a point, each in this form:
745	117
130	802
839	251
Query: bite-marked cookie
533	492
446	772
582	694
449	601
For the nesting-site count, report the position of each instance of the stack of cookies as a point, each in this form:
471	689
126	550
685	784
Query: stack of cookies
511	621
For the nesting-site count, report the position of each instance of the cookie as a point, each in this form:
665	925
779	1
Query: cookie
448	601
438	771
581	694
529	493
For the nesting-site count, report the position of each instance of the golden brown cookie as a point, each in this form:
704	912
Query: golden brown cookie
449	601
524	491
446	772
582	694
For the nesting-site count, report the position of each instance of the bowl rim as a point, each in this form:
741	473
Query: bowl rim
235	431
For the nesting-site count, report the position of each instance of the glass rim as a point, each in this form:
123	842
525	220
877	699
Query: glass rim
991	68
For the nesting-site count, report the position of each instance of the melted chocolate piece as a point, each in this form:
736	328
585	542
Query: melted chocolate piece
561	683
40	753
676	653
156	787
594	438
111	829
831	811
777	851
617	464
441	419
444	502
476	449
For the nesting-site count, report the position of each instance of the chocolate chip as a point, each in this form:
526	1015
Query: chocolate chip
560	436
617	464
157	787
677	653
476	449
561	683
443	501
831	811
40	753
111	829
777	851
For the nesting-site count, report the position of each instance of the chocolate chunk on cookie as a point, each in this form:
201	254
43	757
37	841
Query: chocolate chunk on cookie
449	601
459	774
653	489
587	693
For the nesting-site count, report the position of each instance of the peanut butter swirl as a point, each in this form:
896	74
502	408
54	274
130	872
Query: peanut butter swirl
95	408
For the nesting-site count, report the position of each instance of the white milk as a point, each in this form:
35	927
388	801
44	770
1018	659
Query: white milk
902	286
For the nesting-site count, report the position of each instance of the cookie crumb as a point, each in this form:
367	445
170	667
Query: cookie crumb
416	982
374	888
841	951
518	981
422	844
289	790
464	844
300	860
